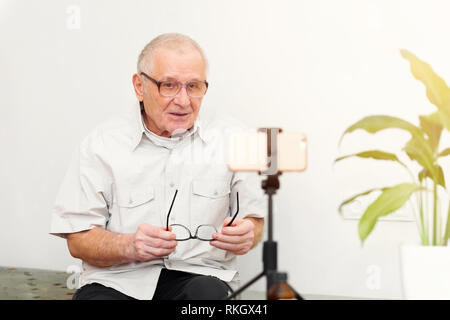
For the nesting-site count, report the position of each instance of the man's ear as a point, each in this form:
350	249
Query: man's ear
138	86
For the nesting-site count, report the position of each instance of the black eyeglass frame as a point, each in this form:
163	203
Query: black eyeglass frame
158	84
196	231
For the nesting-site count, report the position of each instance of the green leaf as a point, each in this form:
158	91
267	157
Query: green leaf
440	176
420	151
424	173
432	126
440	179
444	153
436	89
445	118
374	154
418	148
373	124
353	198
391	199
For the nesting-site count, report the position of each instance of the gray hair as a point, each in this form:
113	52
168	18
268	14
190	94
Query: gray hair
176	41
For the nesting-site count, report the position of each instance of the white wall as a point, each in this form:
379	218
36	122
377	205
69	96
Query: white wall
313	66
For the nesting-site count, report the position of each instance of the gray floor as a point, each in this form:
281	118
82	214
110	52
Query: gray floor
34	284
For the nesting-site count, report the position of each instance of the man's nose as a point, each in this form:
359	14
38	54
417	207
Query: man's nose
182	98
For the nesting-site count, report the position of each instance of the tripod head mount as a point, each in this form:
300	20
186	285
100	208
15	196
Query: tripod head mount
272	151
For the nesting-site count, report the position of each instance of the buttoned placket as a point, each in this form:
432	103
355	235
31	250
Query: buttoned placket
170	181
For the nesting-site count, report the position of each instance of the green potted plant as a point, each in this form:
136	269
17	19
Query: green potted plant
425	185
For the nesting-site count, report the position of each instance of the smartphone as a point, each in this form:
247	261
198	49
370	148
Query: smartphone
247	151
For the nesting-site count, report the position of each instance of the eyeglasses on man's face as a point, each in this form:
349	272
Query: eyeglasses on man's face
203	232
170	88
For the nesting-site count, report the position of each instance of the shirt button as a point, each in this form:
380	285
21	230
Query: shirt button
130	201
171	184
216	193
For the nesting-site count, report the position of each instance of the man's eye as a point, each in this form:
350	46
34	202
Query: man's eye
193	85
168	85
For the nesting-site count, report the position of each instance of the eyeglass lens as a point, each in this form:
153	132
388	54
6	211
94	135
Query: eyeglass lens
203	232
171	88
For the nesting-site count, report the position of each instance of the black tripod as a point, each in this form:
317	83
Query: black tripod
270	186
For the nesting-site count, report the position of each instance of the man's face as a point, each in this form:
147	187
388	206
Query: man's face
164	115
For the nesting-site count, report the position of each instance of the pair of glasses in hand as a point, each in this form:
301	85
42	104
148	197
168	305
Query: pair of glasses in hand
203	232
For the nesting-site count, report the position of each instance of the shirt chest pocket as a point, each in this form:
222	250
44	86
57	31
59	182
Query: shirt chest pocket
210	201
136	206
132	198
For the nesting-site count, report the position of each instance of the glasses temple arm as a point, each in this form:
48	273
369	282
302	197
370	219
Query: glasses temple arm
170	210
237	209
151	79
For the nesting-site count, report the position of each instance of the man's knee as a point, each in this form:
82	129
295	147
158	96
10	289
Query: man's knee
206	288
96	291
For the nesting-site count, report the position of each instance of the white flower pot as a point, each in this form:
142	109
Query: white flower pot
425	272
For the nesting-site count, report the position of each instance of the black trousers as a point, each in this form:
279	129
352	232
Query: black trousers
172	285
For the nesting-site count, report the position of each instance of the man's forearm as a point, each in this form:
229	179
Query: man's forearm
258	230
101	248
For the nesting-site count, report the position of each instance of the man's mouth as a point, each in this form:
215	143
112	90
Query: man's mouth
178	114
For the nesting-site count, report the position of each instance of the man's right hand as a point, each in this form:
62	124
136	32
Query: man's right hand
152	242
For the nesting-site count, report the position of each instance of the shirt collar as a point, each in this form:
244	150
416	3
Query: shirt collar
139	131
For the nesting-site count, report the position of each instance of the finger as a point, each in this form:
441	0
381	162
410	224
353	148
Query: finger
166	235
236	239
145	253
227	246
242	251
161	243
228	220
241	228
145	246
145	240
159	232
158	252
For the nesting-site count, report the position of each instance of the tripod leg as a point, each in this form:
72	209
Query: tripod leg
297	295
245	286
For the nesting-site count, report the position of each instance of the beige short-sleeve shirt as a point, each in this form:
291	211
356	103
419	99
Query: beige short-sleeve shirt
123	175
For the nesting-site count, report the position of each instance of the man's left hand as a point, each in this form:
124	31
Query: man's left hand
237	238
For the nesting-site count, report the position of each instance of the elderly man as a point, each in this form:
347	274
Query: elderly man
143	204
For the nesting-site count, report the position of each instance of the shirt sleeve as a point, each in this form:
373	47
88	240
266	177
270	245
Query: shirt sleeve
252	201
83	198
